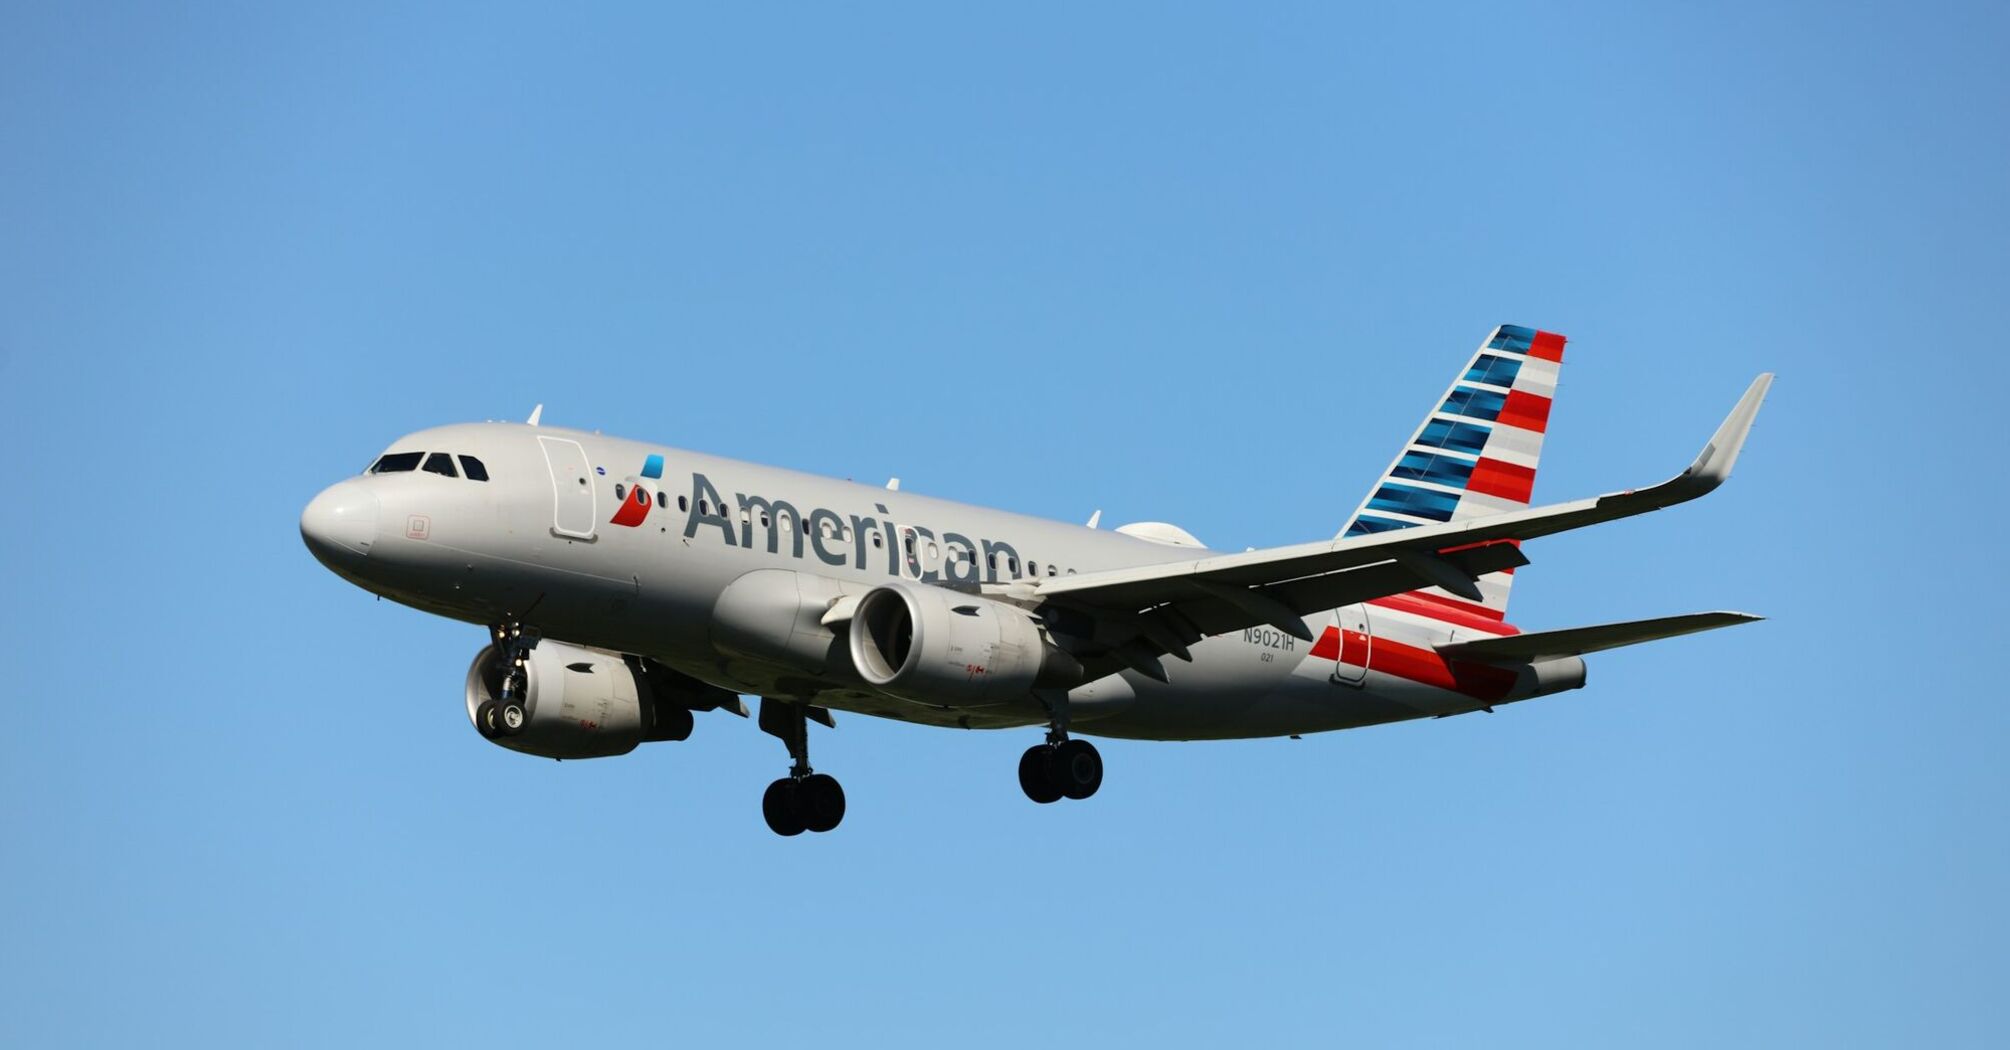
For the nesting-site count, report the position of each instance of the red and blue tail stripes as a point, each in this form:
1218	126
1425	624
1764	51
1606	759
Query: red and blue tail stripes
1476	453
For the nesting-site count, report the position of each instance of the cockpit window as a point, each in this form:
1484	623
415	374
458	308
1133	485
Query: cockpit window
473	468
398	463
441	463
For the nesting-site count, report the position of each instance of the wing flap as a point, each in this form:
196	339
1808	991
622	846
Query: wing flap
1577	641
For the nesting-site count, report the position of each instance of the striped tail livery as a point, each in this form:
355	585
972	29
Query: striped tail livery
1474	455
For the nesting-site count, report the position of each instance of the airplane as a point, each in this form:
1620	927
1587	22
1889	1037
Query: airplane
626	585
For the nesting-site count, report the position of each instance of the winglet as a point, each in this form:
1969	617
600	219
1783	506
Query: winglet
1714	463
535	414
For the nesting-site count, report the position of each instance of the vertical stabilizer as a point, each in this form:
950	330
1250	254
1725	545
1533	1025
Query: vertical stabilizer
1476	453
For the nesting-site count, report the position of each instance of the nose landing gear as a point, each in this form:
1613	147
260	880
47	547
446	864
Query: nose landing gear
805	800
506	714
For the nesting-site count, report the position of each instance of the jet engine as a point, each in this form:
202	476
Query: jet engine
580	702
940	647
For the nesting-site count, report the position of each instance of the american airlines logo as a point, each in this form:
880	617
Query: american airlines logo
634	510
856	540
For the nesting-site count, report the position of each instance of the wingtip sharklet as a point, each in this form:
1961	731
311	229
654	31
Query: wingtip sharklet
1713	465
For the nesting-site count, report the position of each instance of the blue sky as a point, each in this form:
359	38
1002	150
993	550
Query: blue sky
1176	262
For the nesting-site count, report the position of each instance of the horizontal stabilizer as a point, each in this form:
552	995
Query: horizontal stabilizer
1576	641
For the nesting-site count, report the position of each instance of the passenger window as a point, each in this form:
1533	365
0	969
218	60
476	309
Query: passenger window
620	492
663	499
398	463
683	503
442	464
1032	568
473	468
1050	569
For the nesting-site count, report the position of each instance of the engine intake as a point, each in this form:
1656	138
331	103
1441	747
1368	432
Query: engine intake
940	647
581	702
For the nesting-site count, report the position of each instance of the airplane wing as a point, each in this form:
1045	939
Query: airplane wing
1167	607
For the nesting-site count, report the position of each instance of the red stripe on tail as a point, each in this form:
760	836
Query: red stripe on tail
1449	610
1479	681
1525	410
1423	666
1493	477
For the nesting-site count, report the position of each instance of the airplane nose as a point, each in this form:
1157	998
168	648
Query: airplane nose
341	523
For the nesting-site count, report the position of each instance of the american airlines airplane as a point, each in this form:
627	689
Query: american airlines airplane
626	585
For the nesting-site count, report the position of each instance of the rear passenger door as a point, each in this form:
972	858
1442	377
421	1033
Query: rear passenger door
573	512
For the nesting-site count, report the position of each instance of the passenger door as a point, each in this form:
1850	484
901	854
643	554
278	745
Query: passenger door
1355	642
573	511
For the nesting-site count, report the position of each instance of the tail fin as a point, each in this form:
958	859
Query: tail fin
1476	453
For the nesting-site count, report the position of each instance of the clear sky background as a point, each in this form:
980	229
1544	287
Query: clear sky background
1196	264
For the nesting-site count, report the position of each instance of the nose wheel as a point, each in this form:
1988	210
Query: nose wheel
805	800
506	715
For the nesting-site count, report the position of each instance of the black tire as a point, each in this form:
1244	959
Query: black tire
485	720
1033	778
1076	769
820	802
511	718
778	805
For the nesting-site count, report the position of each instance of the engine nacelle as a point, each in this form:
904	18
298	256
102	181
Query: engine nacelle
582	703
936	646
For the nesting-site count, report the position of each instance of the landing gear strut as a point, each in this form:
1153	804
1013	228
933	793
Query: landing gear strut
805	800
1061	767
506	714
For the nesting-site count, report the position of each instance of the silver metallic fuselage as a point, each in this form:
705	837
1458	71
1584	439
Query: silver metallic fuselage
512	548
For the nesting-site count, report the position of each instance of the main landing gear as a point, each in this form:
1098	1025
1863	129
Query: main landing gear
805	800
506	714
1061	767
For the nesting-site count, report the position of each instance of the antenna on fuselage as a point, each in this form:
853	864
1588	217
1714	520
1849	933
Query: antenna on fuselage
893	485
1096	517
536	414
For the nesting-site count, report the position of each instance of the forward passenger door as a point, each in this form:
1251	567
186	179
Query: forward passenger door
573	511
